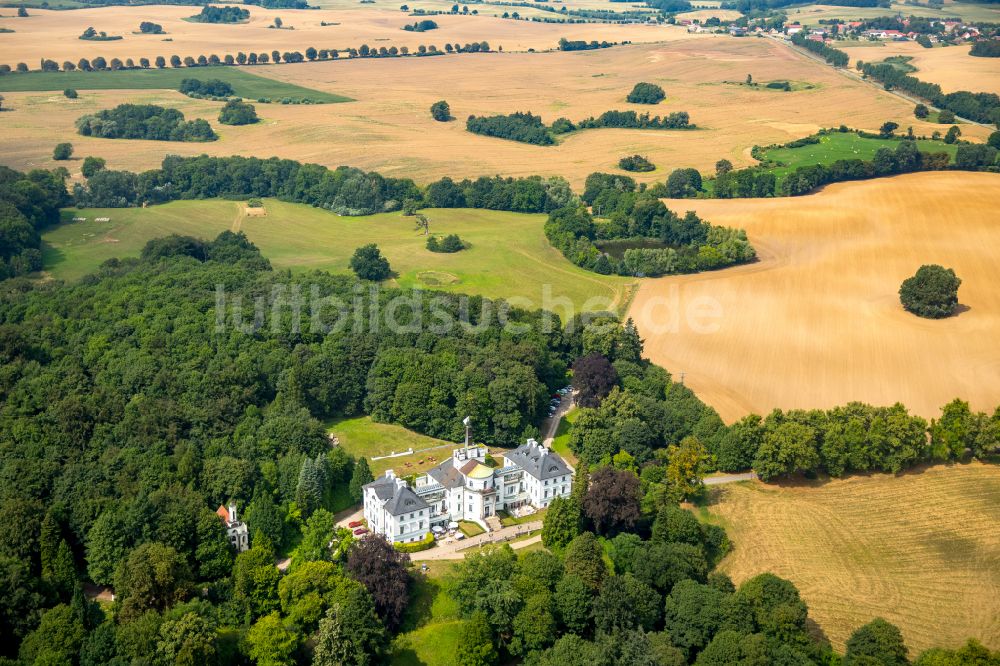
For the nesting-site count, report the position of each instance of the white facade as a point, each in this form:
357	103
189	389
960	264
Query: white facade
464	487
236	531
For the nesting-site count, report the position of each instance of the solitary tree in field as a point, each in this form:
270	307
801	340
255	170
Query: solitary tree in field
951	136
877	642
887	129
921	111
932	292
63	151
369	264
440	111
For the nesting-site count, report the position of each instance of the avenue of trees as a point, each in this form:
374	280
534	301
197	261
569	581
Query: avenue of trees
835	57
144	121
982	107
656	241
932	292
646	93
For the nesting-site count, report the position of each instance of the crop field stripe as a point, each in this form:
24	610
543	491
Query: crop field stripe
250	86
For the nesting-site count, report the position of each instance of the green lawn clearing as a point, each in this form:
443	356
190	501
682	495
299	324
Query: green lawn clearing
249	86
432	630
508	255
842	146
360	436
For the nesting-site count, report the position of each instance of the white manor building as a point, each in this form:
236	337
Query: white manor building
464	487
236	530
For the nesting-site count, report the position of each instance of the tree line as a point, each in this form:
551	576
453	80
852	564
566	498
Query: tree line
526	127
100	63
345	190
833	56
981	107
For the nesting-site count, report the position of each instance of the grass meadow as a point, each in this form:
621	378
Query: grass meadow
508	255
844	146
921	550
360	436
249	86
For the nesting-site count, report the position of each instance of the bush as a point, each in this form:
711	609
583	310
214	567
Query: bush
449	244
946	117
932	292
416	546
63	151
636	163
440	111
646	93
236	112
70	93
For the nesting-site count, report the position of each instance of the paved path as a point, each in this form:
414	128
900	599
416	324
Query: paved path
456	550
730	478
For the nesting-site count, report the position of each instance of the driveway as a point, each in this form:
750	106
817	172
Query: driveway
551	425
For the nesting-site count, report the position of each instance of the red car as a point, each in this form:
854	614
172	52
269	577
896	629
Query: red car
361	530
355	523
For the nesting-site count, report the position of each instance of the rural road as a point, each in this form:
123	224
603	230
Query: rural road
857	77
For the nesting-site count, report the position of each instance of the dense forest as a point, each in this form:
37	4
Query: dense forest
144	121
29	203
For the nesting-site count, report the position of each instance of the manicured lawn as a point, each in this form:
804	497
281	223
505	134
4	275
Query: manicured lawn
360	436
470	529
507	520
843	146
244	84
508	256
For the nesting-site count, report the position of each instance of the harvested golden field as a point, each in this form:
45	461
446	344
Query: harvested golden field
950	67
55	34
967	11
921	550
817	321
389	127
705	14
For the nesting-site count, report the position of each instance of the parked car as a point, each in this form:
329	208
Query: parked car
360	531
355	523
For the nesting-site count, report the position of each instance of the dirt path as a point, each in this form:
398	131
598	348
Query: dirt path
730	478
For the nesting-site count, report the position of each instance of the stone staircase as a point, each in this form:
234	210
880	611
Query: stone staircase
493	523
